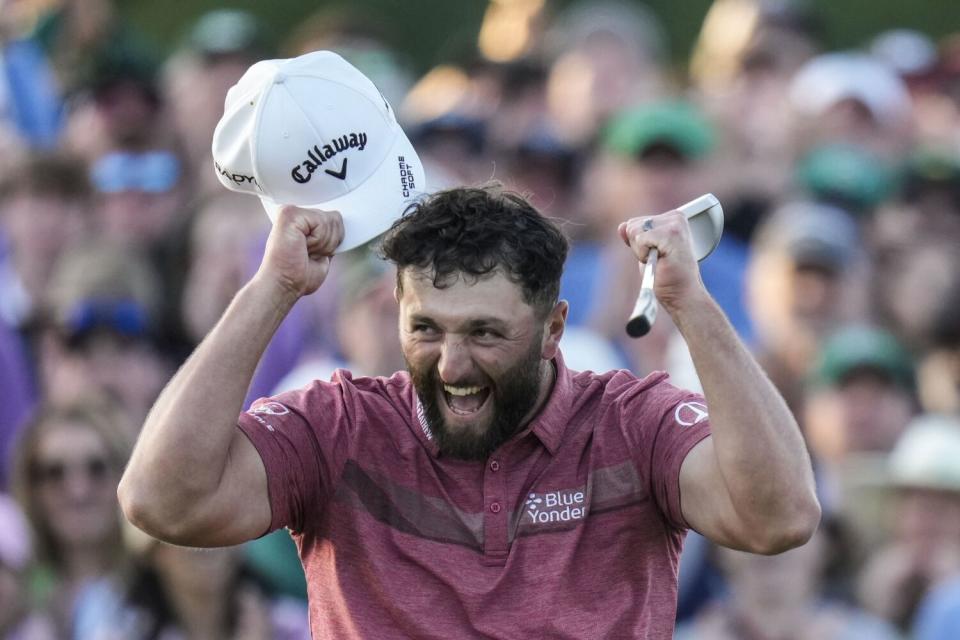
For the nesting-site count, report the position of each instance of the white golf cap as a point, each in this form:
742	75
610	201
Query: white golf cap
313	131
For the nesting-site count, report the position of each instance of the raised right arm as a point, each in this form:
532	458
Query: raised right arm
194	479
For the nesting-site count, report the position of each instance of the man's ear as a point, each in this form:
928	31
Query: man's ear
398	287
553	327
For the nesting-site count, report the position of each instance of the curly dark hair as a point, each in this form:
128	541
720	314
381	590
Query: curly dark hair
476	231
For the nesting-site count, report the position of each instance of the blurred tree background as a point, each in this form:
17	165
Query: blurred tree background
429	31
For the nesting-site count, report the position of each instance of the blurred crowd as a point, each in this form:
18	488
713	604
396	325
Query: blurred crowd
839	175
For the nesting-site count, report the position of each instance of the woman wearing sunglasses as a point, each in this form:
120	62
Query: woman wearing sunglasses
66	468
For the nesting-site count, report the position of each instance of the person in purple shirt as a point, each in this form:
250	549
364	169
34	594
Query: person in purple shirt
487	491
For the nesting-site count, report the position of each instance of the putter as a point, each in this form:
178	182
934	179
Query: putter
705	217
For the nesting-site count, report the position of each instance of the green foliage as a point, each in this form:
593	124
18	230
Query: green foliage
428	31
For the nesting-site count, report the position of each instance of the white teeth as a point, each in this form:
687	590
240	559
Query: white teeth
461	391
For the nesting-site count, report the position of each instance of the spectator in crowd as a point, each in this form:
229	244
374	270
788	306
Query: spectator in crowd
546	167
101	333
453	144
859	399
520	103
938	375
924	473
784	596
913	285
606	56
175	592
805	272
863	395
849	177
853	98
45	209
141	196
936	96
66	470
367	318
108	72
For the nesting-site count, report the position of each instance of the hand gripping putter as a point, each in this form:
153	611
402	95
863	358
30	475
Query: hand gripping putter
705	217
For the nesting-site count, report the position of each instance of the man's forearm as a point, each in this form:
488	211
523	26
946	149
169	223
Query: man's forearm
759	449
182	450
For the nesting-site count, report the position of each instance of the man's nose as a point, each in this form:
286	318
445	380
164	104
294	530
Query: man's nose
454	364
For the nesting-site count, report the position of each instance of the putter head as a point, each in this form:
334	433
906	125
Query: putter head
705	217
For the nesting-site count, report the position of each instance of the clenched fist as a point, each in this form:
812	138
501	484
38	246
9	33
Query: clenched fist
299	249
677	278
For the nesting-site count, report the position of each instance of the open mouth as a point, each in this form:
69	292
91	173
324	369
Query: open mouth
465	401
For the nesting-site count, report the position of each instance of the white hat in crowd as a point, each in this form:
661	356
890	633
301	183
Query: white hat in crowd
927	456
313	131
834	77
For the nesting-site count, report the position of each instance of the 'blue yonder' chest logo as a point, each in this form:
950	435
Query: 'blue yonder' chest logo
318	155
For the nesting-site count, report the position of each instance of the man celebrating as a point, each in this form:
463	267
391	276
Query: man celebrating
488	491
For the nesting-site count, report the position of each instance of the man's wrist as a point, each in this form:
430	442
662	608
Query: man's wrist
268	291
693	310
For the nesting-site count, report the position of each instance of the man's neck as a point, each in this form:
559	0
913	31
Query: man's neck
547	379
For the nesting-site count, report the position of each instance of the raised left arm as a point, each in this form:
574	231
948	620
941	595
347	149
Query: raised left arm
750	484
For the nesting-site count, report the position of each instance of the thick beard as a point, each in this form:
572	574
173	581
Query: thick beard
513	396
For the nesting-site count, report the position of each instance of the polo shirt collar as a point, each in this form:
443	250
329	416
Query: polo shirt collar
550	423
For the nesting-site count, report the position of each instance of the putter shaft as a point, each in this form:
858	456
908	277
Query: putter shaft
645	311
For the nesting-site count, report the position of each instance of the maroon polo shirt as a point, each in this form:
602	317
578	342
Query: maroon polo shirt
571	529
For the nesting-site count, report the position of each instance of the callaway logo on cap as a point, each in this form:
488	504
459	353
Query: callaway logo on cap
315	132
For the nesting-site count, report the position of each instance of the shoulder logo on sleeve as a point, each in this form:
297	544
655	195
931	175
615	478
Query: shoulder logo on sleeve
270	409
688	414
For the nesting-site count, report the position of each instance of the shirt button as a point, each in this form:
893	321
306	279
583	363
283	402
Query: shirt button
494	466
495	507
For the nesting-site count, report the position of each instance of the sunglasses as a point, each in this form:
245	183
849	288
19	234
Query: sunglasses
124	317
150	172
55	472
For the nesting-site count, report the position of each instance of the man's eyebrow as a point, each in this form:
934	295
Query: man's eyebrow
486	321
469	325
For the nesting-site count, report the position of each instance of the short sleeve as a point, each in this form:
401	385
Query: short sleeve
304	438
664	423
